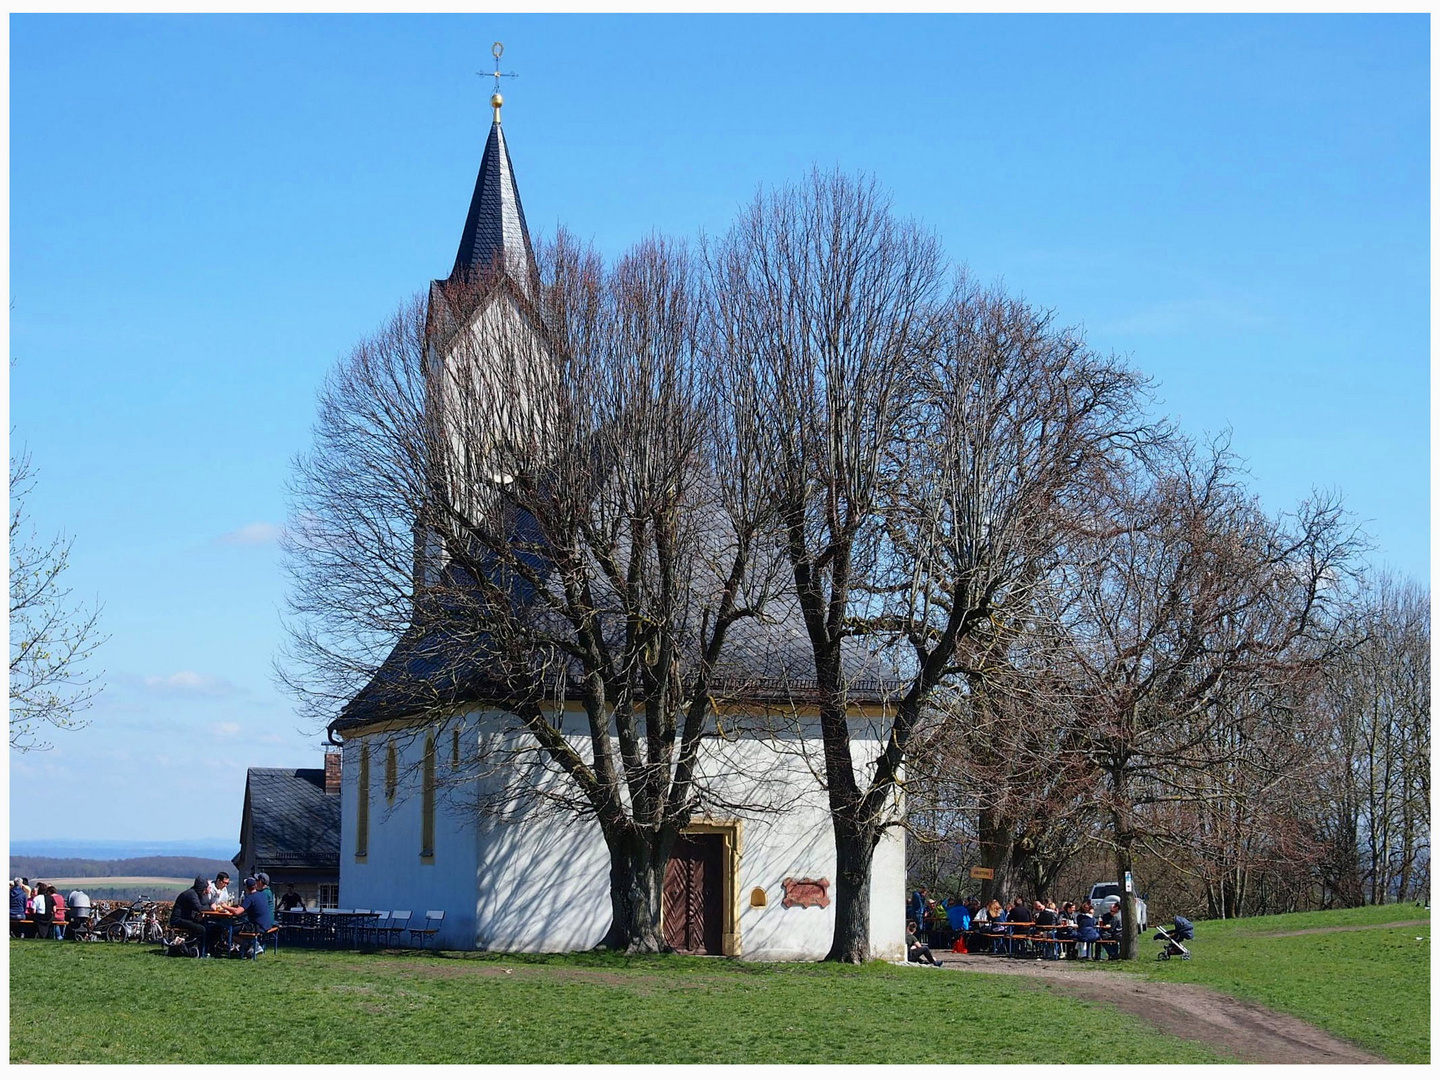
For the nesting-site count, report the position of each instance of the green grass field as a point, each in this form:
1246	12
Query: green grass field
121	1003
1370	986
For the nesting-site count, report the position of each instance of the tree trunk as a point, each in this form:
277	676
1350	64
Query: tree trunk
637	881
1124	864
854	855
996	836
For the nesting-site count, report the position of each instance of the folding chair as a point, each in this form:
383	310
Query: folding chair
372	932
420	935
399	922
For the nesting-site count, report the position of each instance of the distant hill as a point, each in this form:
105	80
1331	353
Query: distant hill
212	847
45	868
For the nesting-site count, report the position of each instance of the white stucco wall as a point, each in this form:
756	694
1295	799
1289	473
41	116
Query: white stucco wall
540	883
392	875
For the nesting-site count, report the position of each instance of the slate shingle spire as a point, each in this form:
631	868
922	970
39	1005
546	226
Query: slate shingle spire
495	228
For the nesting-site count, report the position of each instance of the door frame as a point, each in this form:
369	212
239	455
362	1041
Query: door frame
731	834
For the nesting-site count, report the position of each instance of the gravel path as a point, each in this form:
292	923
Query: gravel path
1238	1029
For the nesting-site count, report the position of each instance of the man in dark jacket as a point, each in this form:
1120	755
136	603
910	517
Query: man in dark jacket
18	895
185	915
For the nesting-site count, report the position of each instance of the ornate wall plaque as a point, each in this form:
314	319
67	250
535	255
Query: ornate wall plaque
806	892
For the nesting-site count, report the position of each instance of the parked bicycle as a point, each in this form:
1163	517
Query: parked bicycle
138	922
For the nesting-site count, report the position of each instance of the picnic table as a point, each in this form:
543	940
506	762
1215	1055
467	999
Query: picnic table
221	920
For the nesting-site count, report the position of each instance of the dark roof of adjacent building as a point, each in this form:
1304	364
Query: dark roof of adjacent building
293	822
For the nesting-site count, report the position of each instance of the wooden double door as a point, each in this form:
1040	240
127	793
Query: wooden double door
693	901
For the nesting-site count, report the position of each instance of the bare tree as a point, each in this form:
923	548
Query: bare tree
1378	696
920	452
546	512
52	636
1185	627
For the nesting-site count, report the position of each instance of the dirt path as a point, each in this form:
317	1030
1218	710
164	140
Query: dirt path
1342	929
1238	1029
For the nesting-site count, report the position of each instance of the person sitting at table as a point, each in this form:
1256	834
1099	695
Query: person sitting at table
1020	912
19	898
258	910
959	916
916	952
998	918
1046	920
218	897
939	937
1110	932
185	914
41	911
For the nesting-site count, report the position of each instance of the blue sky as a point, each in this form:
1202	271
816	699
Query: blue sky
207	211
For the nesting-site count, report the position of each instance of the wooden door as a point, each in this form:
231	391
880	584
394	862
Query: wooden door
694	888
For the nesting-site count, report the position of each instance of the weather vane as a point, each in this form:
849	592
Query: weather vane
497	50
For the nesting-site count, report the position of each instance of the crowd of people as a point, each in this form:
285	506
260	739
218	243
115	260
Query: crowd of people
49	910
256	906
970	926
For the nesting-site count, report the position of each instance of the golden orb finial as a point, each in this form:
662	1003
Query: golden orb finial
496	100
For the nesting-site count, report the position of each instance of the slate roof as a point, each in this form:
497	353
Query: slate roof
292	821
495	231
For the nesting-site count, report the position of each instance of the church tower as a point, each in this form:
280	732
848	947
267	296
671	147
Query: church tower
486	363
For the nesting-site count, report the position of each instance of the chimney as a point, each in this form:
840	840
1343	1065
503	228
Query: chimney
332	774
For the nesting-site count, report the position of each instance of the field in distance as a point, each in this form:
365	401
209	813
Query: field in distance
124	888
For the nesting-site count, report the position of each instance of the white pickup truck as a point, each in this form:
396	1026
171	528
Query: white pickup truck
1105	893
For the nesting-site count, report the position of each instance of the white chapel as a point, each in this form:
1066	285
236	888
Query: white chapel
755	884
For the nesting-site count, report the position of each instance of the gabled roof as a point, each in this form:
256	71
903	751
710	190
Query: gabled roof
495	235
293	822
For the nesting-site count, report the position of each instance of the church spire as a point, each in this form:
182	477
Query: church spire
495	230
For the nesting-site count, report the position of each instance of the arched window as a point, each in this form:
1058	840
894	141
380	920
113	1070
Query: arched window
390	772
427	800
362	806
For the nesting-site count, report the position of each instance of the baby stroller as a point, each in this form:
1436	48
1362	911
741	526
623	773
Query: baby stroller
1174	939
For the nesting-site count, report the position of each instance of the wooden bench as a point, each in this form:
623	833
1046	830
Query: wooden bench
22	924
269	937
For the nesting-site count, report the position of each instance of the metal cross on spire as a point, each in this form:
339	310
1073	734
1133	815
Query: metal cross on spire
497	50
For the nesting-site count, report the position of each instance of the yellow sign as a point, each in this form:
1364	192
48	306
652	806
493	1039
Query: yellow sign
982	873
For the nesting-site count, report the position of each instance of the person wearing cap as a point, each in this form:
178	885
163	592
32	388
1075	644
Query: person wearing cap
264	881
258	908
185	915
